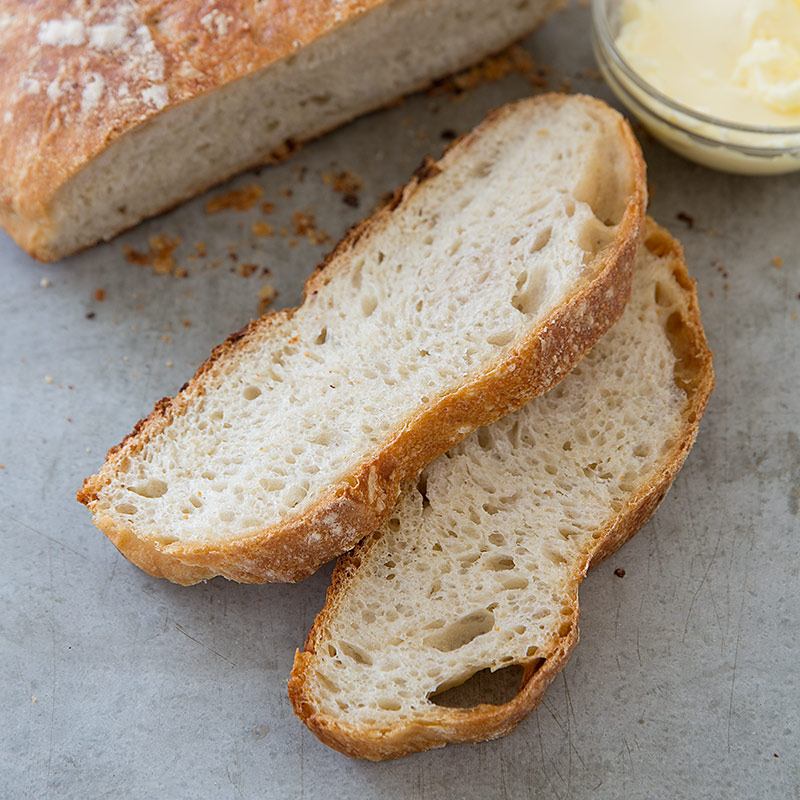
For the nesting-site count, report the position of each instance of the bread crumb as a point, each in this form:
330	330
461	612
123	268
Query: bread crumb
267	208
261	229
165	338
48	378
285	192
44	283
266	297
491	69
169	363
99	295
305	225
187	323
200	248
90	315
687	219
619	572
160	256
246	270
346	184
236	199
777	262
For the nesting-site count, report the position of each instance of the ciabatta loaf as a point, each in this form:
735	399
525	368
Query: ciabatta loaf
478	288
111	112
479	564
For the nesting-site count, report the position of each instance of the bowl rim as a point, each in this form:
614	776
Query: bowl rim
603	30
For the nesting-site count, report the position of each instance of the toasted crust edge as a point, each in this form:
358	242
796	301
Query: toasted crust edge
357	506
484	721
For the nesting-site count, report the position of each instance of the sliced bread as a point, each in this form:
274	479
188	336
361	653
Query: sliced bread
116	111
479	287
479	564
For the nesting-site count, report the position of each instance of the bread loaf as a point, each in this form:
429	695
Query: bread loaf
479	564
112	112
479	287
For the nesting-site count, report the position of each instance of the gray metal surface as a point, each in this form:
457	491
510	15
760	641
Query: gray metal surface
112	683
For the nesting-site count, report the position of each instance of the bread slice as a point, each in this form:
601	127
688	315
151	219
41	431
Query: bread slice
479	287
479	564
113	112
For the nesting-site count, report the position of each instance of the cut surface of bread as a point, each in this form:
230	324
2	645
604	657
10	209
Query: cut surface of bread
477	288
478	565
116	111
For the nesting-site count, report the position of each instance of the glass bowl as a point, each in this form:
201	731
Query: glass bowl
713	142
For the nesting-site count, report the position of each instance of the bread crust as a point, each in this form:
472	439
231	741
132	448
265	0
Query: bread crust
356	506
172	54
442	726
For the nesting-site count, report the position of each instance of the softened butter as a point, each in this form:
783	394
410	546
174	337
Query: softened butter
737	60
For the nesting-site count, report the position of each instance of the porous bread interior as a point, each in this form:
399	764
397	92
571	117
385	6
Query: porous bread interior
479	564
401	45
437	292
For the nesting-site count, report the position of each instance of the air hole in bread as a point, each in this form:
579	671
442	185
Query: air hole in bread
514	582
494	688
530	287
126	508
151	488
462	632
485	439
195	501
662	296
422	488
500	563
355	653
501	339
251	392
295	495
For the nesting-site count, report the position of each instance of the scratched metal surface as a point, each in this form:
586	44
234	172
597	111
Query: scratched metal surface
685	682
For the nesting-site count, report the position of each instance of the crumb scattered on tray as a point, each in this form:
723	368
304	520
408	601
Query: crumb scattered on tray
160	256
99	295
44	283
48	378
246	270
267	207
493	68
305	225
90	315
266	297
236	199
777	262
187	323
285	192
346	184
261	229
619	572
687	219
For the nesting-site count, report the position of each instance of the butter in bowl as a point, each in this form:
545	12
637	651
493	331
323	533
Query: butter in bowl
717	81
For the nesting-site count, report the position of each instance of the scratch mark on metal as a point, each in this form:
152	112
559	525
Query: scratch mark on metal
700	586
203	644
43	535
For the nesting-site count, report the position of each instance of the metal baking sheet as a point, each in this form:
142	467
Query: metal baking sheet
112	683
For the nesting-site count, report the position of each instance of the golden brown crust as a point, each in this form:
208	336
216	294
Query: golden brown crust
352	509
441	726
